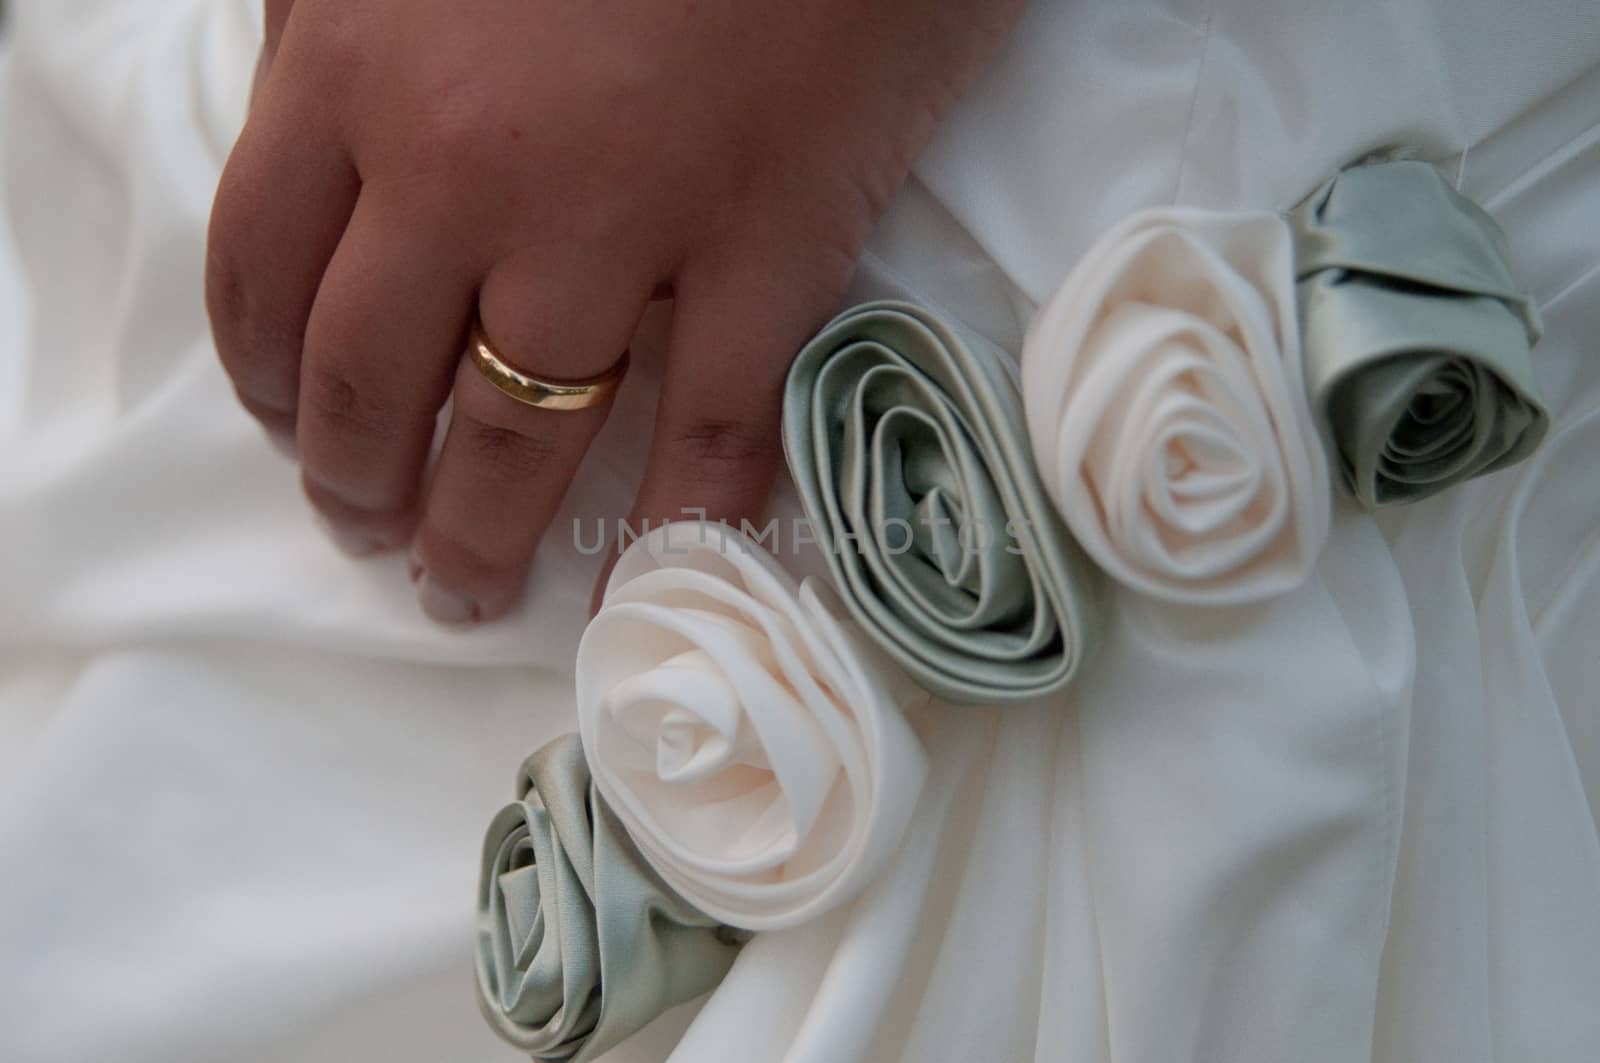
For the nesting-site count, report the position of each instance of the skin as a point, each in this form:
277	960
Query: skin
550	166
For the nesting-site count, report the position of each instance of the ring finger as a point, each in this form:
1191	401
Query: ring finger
506	465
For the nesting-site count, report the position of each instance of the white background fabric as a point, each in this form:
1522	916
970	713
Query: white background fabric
243	783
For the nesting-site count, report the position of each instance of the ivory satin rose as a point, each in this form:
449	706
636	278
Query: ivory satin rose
1164	399
752	744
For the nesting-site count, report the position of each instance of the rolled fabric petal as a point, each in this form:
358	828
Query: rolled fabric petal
1167	414
753	746
579	943
1417	340
905	438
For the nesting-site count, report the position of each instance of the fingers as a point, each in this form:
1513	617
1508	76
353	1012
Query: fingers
281	207
380	353
717	445
505	466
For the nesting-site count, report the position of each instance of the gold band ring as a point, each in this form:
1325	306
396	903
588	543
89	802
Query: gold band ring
544	394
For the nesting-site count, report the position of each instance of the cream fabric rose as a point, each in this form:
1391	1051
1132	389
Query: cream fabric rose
751	743
1164	399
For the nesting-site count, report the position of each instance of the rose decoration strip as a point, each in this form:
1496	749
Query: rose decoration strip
751	743
579	943
1417	340
1164	399
905	439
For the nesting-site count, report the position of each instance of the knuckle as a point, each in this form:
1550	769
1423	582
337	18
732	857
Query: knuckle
505	456
226	291
715	450
448	136
331	399
224	280
253	345
451	139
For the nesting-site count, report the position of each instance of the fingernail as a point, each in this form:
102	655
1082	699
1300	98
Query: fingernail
350	541
445	606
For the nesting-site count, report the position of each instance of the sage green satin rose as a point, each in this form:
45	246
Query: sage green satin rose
580	945
905	438
1417	339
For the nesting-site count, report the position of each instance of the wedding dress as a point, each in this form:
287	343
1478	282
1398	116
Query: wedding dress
243	782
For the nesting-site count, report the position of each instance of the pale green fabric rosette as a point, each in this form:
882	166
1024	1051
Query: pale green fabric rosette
579	943
1416	337
906	440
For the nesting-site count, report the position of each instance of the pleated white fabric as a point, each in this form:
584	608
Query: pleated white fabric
243	783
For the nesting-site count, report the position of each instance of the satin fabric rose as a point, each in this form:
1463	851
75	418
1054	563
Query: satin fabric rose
1165	403
1417	338
751	742
579	943
905	439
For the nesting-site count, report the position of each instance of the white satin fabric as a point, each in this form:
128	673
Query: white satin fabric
242	782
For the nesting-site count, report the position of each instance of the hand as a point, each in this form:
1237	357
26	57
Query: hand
550	166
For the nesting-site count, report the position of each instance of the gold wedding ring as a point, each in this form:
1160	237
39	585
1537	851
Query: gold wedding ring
539	392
